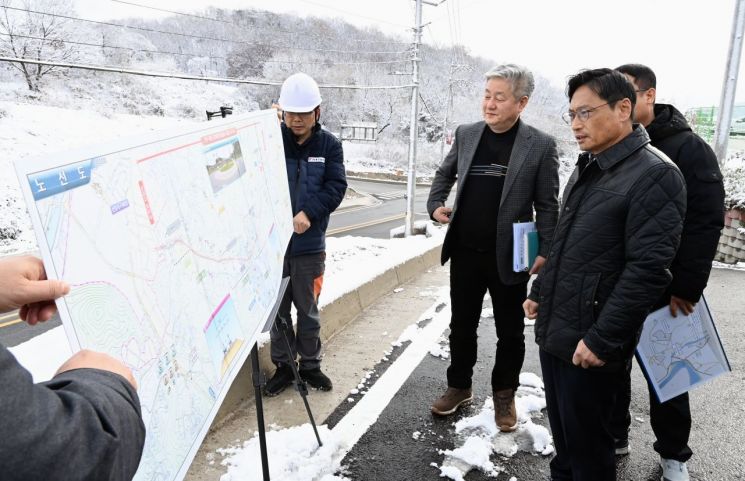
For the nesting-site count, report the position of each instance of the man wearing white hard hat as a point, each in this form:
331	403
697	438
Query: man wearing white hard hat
317	182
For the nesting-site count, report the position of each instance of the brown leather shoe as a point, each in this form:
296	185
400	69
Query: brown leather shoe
505	413
449	402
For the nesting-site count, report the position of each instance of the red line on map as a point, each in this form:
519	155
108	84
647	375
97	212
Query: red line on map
232	131
158	154
147	203
212	138
212	317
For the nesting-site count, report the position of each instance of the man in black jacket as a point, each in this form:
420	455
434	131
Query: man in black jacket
619	227
317	182
669	131
84	424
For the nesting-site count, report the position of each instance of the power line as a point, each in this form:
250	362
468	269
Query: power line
117	47
428	110
204	17
145	29
193	54
144	73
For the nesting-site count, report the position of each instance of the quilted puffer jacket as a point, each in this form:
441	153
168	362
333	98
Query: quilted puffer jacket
620	224
318	181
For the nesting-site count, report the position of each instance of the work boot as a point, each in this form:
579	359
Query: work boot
505	413
282	378
673	470
622	446
449	402
316	379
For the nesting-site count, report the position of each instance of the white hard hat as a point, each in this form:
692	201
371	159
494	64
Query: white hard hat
299	94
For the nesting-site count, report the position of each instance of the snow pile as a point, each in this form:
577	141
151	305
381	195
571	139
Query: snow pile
740	266
734	184
480	437
441	349
370	258
294	455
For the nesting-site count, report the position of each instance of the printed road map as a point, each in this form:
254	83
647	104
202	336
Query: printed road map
173	245
680	353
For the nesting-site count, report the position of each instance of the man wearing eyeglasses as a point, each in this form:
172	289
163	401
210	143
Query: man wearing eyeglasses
619	227
669	131
505	169
317	182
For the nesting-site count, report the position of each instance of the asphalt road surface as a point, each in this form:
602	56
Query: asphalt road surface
388	451
377	220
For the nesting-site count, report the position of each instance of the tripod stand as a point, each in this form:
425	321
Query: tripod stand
282	325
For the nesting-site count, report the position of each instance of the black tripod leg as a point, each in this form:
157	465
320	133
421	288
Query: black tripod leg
300	385
258	382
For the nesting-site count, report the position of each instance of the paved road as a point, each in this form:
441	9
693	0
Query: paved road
718	439
13	331
377	220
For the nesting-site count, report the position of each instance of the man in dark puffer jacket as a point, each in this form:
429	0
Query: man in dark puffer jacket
317	182
620	224
670	132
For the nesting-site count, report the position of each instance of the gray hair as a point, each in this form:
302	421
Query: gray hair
518	76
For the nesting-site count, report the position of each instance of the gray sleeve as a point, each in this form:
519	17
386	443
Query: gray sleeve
546	197
444	178
84	424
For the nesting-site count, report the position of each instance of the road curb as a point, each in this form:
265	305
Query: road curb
335	316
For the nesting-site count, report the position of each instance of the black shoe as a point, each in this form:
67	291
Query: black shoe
622	447
282	378
316	379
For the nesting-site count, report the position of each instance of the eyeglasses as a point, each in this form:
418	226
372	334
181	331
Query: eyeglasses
640	90
581	114
299	114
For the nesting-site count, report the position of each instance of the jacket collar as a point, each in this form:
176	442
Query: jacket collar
291	137
637	139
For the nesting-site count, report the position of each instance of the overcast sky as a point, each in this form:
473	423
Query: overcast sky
684	41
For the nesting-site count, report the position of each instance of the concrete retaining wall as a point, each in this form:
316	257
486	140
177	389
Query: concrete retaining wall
334	317
732	242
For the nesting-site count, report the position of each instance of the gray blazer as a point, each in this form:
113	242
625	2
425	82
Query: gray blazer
532	182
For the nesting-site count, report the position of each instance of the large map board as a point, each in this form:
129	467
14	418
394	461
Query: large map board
173	246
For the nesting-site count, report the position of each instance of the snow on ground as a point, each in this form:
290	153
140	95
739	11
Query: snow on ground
740	266
311	463
294	454
478	437
297	457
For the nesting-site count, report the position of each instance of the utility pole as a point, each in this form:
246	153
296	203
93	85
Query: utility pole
727	102
414	131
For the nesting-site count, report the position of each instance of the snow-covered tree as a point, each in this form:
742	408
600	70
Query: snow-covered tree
26	34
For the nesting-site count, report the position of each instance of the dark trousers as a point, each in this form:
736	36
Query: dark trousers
471	274
671	420
579	404
306	280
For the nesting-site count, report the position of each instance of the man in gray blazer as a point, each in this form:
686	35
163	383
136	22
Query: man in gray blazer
505	170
